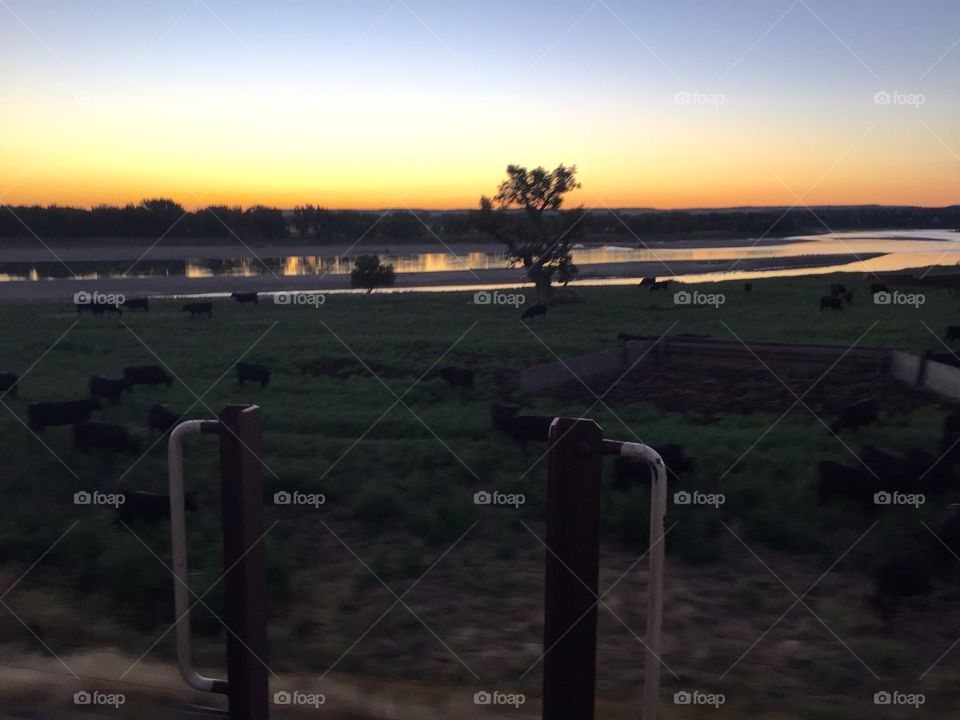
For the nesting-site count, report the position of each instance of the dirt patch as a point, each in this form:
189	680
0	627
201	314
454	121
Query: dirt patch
716	386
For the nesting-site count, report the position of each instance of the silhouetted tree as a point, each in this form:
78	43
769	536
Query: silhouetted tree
539	236
303	219
368	272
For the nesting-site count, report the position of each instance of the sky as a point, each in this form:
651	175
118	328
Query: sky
423	103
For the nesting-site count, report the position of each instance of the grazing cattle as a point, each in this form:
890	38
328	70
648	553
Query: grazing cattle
149	507
52	414
533	311
837	289
137	304
456	376
661	285
748	288
953	332
857	415
253	372
907	574
199	308
834	303
8	384
97	308
522	428
101	387
879	288
648	281
103	436
245	297
630	471
147	375
162	418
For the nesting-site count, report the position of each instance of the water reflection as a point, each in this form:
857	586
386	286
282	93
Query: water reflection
900	249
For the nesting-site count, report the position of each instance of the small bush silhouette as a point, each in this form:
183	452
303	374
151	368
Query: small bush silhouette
370	273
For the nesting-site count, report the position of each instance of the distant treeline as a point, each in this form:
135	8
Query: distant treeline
166	218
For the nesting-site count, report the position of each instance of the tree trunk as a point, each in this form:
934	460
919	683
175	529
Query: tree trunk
543	284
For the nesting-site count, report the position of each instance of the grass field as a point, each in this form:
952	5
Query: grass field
399	477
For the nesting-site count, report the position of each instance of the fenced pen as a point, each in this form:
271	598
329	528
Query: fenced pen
571	593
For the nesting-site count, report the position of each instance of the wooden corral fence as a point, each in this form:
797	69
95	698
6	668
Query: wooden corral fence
628	352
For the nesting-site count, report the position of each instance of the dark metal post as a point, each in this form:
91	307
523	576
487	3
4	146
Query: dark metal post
572	569
244	561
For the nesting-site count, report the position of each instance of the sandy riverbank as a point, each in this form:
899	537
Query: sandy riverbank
507	277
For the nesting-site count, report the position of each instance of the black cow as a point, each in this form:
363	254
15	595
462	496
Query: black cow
533	311
149	507
834	303
103	436
253	372
953	332
837	290
522	428
879	288
101	387
199	308
857	415
648	281
456	376
162	418
660	285
147	375
8	384
748	288
137	304
52	414
245	297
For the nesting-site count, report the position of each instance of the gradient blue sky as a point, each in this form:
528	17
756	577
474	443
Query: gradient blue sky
374	103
